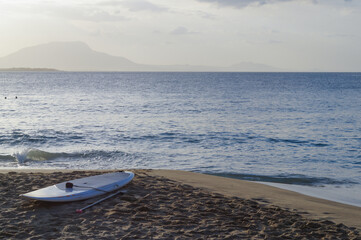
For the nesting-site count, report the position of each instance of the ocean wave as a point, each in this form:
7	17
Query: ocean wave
94	154
310	143
163	137
7	158
49	137
35	155
294	179
219	139
46	136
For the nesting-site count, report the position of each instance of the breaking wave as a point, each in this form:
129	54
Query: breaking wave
35	155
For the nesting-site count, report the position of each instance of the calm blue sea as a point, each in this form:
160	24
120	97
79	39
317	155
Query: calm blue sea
302	129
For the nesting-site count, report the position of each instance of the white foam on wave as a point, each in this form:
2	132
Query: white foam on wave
20	157
32	154
346	194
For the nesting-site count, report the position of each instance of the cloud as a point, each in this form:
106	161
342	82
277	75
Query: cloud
181	31
241	3
136	5
341	35
245	3
275	42
84	12
90	15
97	16
110	3
205	15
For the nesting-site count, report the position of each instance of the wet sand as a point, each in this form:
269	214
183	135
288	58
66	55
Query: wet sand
162	204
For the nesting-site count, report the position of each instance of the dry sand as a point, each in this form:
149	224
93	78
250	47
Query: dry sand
171	205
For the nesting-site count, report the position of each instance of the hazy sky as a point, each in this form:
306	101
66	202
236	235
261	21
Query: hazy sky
289	34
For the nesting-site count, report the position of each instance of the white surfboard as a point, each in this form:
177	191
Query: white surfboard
82	188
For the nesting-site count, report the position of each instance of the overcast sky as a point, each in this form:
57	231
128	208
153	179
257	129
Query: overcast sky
300	35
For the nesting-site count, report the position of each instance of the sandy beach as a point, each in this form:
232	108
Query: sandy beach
165	204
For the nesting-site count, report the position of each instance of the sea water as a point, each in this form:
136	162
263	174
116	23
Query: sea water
298	129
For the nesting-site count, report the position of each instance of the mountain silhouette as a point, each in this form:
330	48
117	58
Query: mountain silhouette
78	56
253	67
68	56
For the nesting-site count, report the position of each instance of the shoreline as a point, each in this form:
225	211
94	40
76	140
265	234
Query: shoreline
308	206
170	204
330	193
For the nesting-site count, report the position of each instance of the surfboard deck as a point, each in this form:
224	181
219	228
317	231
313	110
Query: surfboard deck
82	188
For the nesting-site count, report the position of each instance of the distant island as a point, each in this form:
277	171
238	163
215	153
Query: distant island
78	56
28	70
